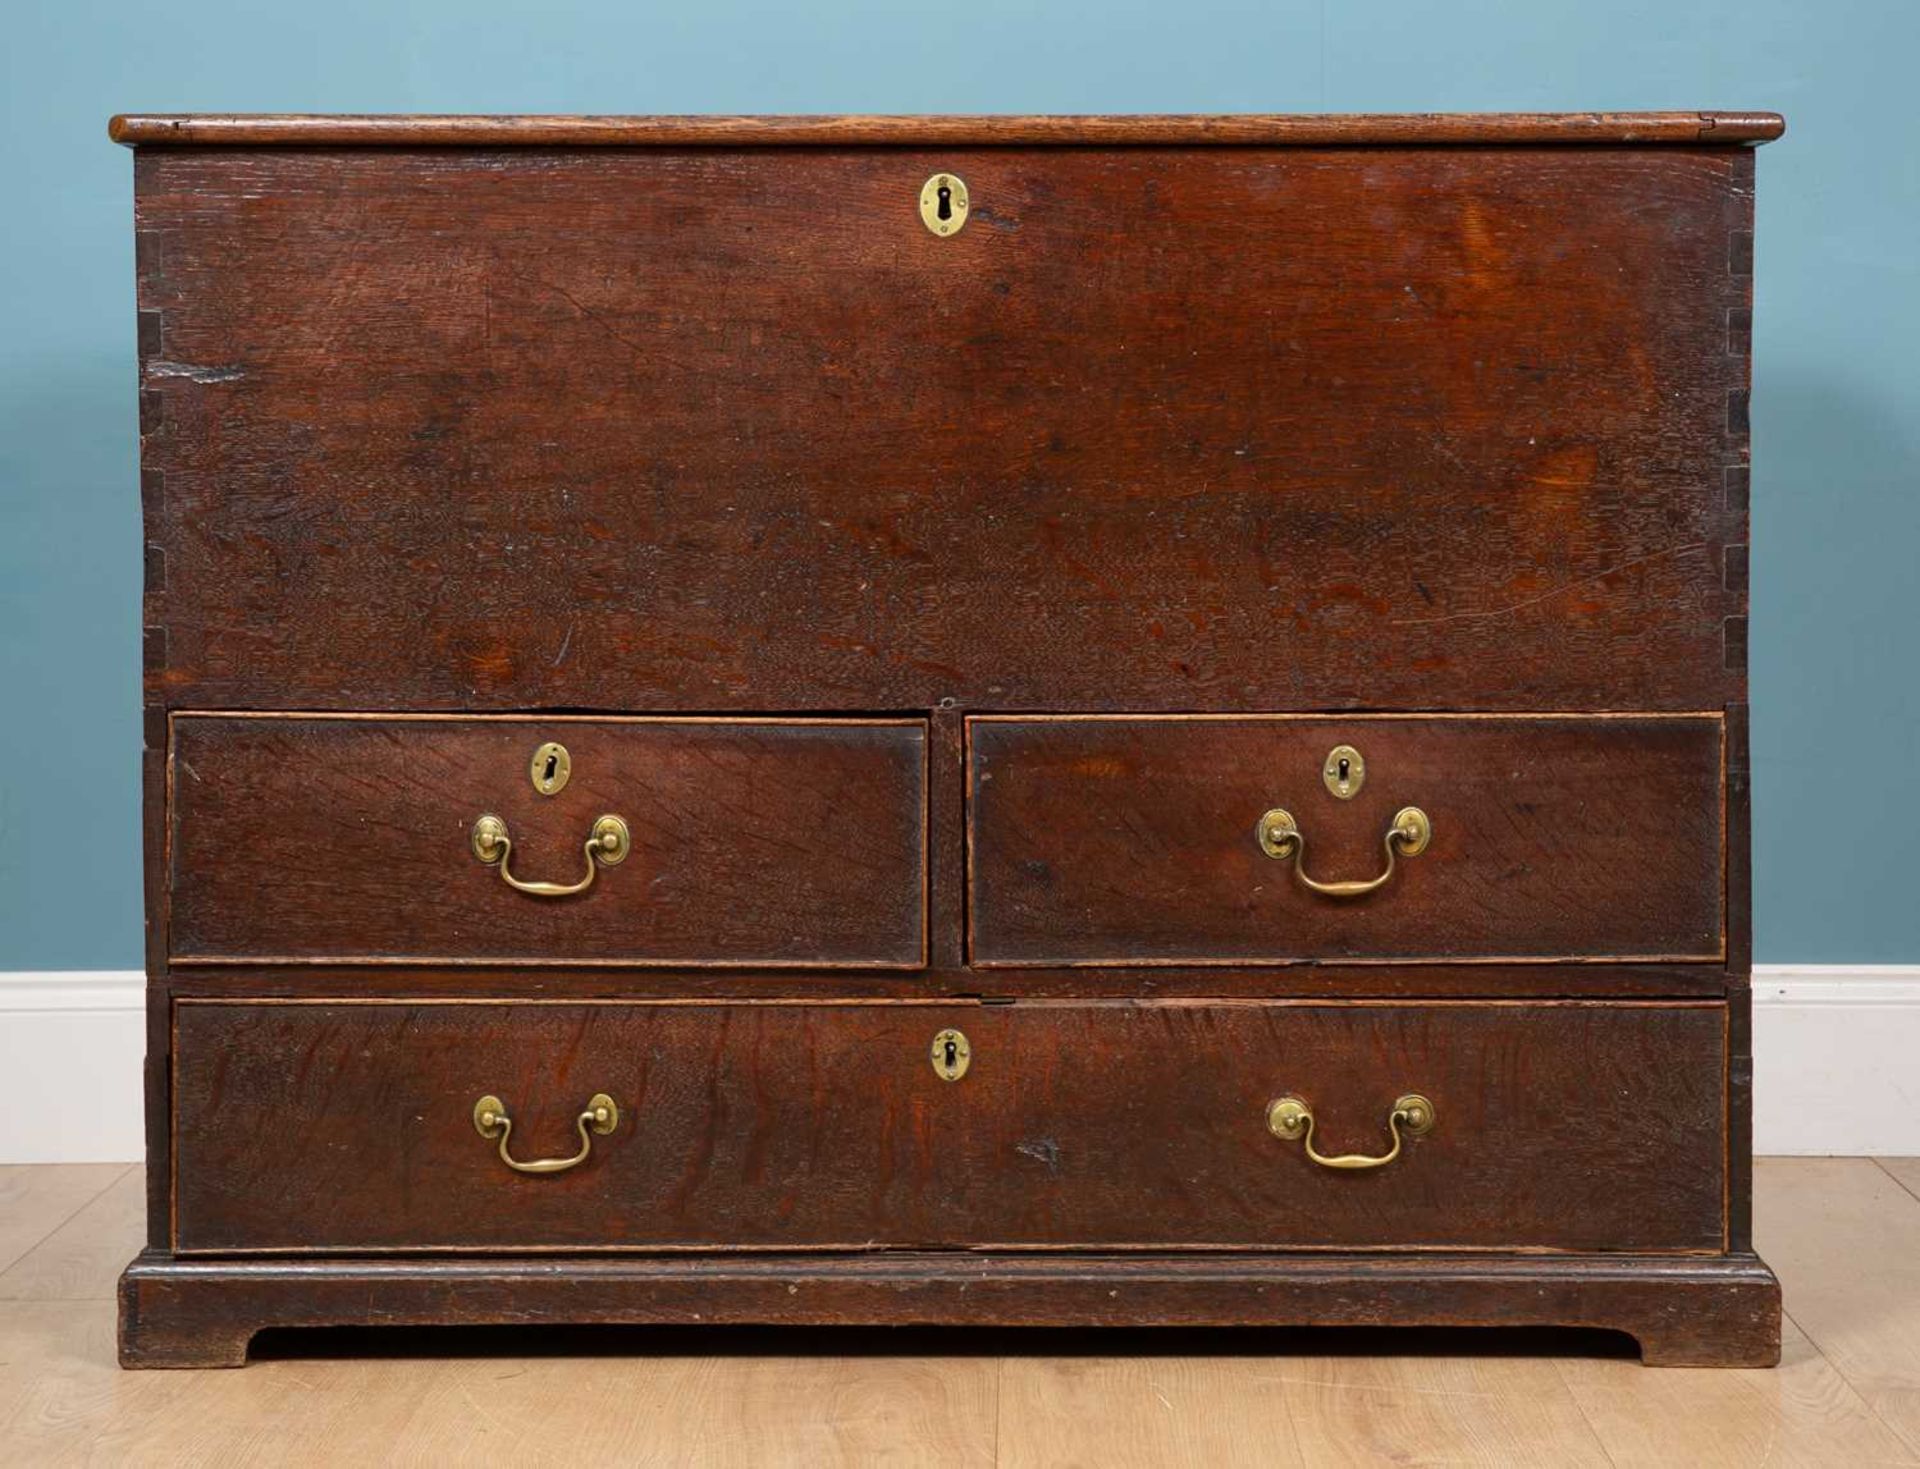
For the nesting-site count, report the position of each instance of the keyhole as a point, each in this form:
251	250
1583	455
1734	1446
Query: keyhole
1346	767
945	207
553	764
953	1053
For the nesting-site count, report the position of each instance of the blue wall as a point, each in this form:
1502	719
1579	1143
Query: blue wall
1836	405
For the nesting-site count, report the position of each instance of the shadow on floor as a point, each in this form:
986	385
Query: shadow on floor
930	1341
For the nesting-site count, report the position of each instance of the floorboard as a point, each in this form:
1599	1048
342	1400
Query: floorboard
1843	1233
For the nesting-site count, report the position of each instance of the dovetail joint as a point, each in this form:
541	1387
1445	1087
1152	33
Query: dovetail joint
1740	253
1734	569
1738	401
1733	640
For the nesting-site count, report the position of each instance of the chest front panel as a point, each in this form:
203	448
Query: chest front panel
1158	429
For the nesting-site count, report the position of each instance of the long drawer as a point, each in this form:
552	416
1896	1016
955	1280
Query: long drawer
631	841
342	1126
1264	839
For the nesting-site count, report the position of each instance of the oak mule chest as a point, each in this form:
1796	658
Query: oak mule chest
944	720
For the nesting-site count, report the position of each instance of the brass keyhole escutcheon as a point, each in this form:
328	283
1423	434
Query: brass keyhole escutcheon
1344	772
550	768
952	1053
943	204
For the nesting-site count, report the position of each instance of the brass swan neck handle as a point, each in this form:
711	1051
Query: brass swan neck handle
490	1120
1280	838
1292	1119
607	845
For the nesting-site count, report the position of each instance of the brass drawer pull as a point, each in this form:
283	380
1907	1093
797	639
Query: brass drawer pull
490	1120
1280	837
1291	1118
607	846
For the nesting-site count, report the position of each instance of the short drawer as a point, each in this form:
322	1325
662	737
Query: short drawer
352	1127
739	842
1160	840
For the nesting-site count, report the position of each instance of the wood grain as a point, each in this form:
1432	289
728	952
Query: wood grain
1851	1234
1357	1406
759	842
731	430
35	1201
328	1127
1685	1311
1311	1398
81	1259
1301	981
1323	129
1145	1411
1230	1400
1804	1413
518	1398
1905	1172
1128	841
520	1403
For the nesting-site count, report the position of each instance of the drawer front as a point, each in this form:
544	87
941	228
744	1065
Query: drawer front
1137	841
1161	428
1571	1125
750	842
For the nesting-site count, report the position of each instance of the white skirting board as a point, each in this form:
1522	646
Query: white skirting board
72	1046
1836	1058
1836	1062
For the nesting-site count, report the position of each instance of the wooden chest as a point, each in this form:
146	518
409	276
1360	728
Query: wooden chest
1034	720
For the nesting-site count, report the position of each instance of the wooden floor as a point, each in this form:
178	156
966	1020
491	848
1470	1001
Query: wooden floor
1844	1234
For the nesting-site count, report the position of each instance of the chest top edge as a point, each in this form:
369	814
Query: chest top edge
1112	130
